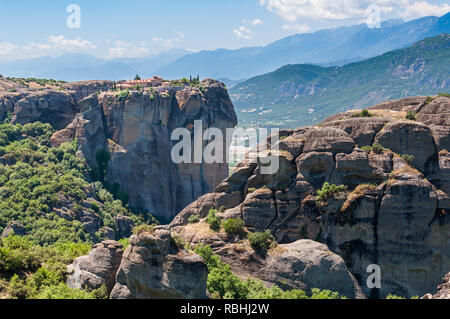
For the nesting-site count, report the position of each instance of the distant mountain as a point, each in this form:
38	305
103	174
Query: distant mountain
323	47
77	67
297	95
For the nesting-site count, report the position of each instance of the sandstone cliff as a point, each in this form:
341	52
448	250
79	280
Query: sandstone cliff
52	102
394	213
136	128
151	267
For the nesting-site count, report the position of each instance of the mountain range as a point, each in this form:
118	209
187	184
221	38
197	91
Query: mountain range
79	66
304	94
336	46
329	47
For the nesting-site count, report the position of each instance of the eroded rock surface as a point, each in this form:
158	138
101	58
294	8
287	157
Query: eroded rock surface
394	213
98	268
136	130
153	267
443	290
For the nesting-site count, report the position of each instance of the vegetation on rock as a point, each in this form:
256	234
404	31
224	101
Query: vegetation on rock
46	191
261	241
223	284
213	220
328	191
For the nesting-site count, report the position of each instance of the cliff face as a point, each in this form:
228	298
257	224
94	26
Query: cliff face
136	130
55	103
394	213
151	267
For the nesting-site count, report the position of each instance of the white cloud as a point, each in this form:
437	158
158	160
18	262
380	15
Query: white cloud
7	48
243	33
60	42
294	10
256	22
423	8
170	42
55	44
297	28
128	50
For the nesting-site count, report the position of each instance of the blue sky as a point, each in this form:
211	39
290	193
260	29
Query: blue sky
131	28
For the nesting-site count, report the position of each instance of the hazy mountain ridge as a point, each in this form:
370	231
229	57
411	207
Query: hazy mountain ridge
79	67
309	93
321	47
329	47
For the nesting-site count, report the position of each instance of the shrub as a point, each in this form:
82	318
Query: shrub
328	191
377	148
410	116
142	229
408	158
429	100
324	294
62	291
193	219
125	242
234	227
222	283
221	280
367	148
444	94
261	241
122	96
363	113
179	242
213	220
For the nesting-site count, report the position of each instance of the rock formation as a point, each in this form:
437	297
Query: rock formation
96	269
153	267
303	264
14	228
443	290
136	130
56	105
394	213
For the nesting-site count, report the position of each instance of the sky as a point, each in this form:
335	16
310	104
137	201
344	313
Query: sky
120	29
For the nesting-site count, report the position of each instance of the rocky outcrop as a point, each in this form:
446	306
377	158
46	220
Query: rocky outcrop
98	268
53	104
443	290
124	226
90	220
303	264
136	130
153	267
306	264
394	213
14	228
